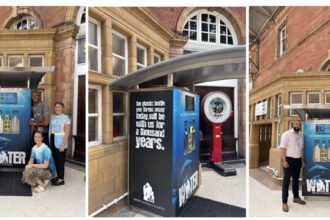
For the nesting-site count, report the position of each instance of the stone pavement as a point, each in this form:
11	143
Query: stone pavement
266	201
230	190
60	201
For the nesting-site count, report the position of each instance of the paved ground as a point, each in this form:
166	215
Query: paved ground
61	201
230	190
265	199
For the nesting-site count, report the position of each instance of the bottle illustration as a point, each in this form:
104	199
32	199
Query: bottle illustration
1	123
7	124
316	151
324	153
15	123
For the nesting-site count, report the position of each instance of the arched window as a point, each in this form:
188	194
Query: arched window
212	28
326	66
24	23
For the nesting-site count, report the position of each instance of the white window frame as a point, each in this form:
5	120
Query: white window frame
157	56
99	115
279	106
309	93
193	44
28	19
121	57
142	65
11	56
325	97
278	134
302	101
125	114
43	64
98	46
271	107
283	39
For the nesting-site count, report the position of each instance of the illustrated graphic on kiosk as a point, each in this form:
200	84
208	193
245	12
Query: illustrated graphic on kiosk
148	194
59	129
40	120
292	146
41	168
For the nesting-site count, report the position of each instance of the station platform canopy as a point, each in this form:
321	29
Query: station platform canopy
185	70
23	77
311	111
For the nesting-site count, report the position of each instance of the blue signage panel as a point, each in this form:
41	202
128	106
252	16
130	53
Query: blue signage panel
316	178
15	113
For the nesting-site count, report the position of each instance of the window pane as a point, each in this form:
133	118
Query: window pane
156	59
92	33
296	98
205	27
92	101
212	19
0	61
186	26
205	37
118	66
327	98
24	24
81	50
230	40
118	126
194	18
36	61
185	33
193	25
93	129
213	28
118	102
222	39
222	29
193	35
212	38
140	56
32	24
93	60
314	98
204	17
118	45
16	61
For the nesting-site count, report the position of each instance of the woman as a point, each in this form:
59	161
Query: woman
59	131
41	167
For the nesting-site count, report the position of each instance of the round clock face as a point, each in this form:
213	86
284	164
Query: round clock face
216	107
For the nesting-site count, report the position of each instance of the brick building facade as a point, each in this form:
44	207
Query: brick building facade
289	65
48	36
122	40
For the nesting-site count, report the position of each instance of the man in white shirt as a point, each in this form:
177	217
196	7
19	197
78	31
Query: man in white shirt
292	146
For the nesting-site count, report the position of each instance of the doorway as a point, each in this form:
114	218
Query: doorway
265	142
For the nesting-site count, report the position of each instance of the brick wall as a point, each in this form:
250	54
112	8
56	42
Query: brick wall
307	42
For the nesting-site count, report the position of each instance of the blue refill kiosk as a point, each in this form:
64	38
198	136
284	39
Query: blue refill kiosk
163	149
15	113
316	131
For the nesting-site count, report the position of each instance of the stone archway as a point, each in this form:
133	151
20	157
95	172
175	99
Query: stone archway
229	13
18	12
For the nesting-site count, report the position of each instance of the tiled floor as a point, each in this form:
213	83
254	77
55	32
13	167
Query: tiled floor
229	190
265	199
61	201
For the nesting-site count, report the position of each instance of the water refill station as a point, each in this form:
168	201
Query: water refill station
316	131
16	84
164	126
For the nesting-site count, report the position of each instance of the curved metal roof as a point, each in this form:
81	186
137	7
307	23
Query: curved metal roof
259	19
22	77
217	64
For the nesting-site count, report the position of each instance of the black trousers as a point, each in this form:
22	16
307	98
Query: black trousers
292	171
59	158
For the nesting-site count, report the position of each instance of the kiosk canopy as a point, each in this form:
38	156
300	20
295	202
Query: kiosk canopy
23	77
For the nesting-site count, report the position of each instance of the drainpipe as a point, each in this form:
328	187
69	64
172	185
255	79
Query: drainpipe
115	201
